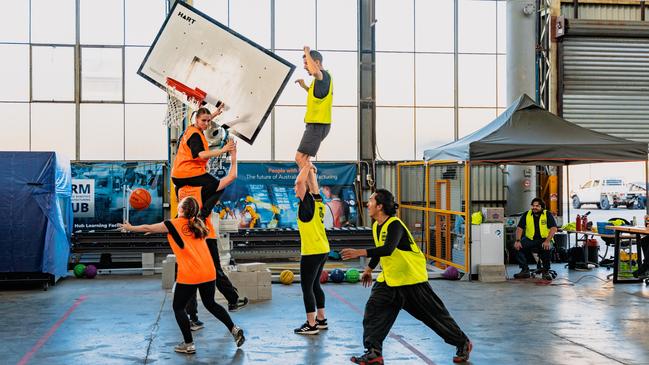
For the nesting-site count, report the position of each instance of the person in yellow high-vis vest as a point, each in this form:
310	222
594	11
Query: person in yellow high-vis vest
403	284
318	107
314	249
534	232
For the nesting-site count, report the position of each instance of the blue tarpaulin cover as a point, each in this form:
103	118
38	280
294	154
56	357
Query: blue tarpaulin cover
35	202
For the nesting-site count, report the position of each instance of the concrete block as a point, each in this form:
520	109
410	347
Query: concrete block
248	291
171	258
148	259
243	278
251	267
492	273
264	277
168	274
265	292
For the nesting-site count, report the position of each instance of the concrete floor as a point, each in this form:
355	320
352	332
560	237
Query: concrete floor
120	319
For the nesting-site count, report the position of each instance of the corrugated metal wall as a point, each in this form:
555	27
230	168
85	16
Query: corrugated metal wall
606	85
603	11
605	78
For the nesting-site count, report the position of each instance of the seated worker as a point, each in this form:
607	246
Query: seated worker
539	227
643	269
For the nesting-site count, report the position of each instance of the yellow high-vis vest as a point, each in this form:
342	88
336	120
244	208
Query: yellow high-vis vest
313	237
401	267
543	225
319	110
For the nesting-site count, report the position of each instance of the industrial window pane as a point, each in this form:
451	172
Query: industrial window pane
342	142
14	26
435	81
394	27
502	27
216	9
101	74
294	24
251	18
394	79
102	22
136	88
344	72
53	128
434	26
502	81
472	119
434	127
14	121
59	29
53	73
293	94
143	20
289	127
145	134
14	72
337	25
102	132
477	26
395	134
260	151
477	80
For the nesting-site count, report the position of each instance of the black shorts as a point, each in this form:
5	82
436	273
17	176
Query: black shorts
314	134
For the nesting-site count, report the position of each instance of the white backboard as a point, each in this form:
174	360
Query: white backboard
202	53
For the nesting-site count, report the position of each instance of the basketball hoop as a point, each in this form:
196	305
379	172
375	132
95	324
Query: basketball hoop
180	98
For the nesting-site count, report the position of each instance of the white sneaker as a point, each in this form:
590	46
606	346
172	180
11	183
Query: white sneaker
186	348
196	325
237	333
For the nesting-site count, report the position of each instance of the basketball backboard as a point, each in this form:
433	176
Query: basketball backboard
200	52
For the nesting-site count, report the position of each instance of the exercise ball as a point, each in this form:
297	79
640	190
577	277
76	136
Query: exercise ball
140	199
286	277
91	271
352	276
79	270
337	276
324	276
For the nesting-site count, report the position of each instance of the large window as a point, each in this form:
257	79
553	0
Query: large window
434	85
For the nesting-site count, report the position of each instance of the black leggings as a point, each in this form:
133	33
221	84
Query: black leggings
310	269
208	184
183	294
223	283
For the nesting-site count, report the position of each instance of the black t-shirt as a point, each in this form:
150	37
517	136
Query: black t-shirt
307	206
321	87
195	144
537	233
397	237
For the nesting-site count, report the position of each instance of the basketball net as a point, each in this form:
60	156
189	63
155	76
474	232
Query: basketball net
180	100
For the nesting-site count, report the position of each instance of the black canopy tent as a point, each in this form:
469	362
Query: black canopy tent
527	134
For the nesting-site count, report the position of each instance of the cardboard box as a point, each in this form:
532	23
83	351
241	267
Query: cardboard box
493	215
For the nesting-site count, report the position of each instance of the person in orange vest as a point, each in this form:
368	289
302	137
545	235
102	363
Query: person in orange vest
186	235
223	283
190	165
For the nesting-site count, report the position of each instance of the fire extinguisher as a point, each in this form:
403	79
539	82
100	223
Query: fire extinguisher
578	223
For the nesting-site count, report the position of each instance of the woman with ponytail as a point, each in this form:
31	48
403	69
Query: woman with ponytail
186	235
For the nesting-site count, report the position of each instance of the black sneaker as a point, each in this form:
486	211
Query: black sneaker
524	274
547	276
242	302
462	354
306	329
196	325
237	334
321	324
370	357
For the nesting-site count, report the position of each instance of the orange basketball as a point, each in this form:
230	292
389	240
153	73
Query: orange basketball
140	199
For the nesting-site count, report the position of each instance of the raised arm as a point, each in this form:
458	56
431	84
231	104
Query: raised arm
144	228
232	174
310	64
301	183
217	151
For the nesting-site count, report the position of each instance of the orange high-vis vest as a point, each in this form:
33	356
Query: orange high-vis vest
185	165
195	265
195	191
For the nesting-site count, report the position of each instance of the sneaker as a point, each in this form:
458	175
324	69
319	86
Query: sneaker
237	333
547	276
462	354
321	324
524	274
186	348
238	305
196	325
306	329
370	357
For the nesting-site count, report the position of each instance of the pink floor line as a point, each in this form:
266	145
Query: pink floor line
400	339
51	331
